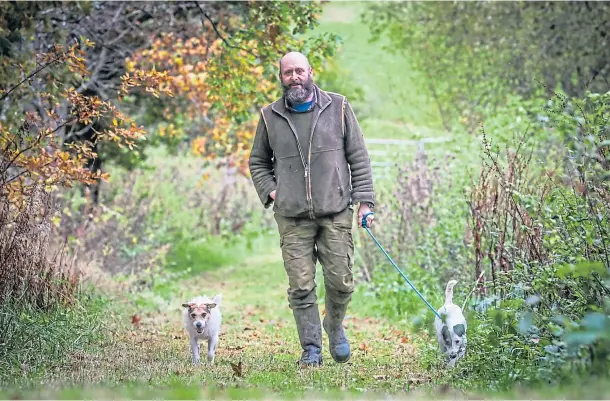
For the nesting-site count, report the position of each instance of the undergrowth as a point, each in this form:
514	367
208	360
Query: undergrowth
44	316
534	221
35	342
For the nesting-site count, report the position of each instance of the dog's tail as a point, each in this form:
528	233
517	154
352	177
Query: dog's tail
449	291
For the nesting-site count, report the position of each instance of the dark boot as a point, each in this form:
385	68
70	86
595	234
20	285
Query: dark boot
310	334
333	325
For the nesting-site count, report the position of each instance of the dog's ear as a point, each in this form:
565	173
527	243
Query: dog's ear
459	329
188	305
211	305
446	335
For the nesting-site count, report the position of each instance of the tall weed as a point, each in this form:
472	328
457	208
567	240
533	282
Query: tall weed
30	273
540	218
535	223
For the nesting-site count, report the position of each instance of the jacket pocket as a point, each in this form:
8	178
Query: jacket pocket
290	195
329	178
341	186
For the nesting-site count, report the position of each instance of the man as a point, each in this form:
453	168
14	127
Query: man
309	159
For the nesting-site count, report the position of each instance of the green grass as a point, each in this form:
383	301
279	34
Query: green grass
394	105
203	253
152	359
258	331
34	342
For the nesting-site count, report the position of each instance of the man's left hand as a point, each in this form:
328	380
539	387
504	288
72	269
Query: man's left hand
362	210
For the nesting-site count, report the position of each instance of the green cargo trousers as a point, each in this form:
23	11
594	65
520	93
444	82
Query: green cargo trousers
303	241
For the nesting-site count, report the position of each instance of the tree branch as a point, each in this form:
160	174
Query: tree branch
29	77
205	14
80	132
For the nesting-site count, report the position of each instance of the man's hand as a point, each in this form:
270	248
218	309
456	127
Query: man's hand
272	194
362	210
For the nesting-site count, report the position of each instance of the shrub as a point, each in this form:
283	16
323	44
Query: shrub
540	218
29	274
535	223
43	315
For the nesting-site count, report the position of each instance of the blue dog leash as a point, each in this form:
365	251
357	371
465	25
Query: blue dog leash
394	264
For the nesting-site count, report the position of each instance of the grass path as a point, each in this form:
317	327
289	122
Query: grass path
152	358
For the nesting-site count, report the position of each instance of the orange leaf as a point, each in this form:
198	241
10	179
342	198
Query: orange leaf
135	320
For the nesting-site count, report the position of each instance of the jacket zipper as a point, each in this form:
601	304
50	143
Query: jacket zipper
310	197
308	165
305	166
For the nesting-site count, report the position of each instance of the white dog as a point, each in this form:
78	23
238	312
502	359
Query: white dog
202	321
451	331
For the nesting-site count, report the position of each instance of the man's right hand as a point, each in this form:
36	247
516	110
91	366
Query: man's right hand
272	194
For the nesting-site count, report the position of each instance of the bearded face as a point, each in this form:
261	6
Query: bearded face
298	90
296	78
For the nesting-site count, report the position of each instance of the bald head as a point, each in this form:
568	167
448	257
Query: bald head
294	58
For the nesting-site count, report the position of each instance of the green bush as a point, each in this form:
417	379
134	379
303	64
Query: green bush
536	221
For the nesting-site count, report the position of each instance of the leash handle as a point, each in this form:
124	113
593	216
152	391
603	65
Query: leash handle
396	267
364	218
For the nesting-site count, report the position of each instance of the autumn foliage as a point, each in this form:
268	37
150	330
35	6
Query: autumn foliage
86	85
40	150
217	64
220	83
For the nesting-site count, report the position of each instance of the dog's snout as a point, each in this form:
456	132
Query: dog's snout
198	324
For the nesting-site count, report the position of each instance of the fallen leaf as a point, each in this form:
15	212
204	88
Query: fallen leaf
364	347
404	340
237	369
135	320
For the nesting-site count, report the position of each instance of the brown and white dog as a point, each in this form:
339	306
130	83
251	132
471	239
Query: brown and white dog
202	321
